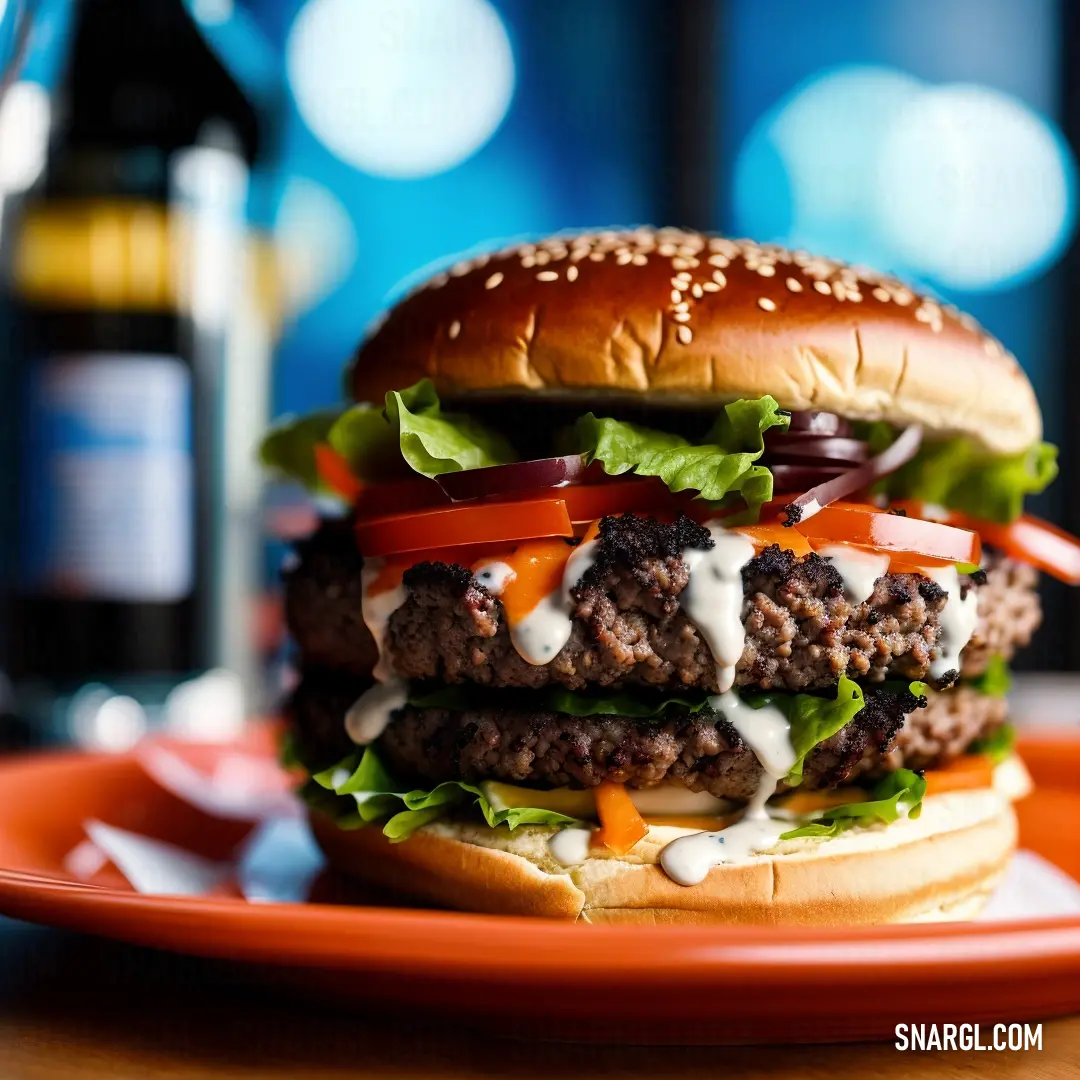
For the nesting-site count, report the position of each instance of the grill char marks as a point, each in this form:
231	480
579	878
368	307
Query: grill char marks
698	751
628	626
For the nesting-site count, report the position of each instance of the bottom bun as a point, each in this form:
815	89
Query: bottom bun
942	866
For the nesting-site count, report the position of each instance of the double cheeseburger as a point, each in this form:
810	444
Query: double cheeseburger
671	578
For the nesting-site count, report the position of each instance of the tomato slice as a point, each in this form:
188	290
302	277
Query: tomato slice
451	526
335	473
891	532
621	826
1028	539
965	773
590	501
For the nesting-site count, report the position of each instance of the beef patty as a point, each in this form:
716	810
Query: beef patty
629	627
701	751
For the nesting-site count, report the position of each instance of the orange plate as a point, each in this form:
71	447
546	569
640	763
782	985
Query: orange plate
545	979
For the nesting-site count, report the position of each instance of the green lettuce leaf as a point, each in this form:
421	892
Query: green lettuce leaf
722	465
461	697
434	442
997	746
288	448
410	432
995	681
378	796
364	438
289	751
812	719
900	794
959	475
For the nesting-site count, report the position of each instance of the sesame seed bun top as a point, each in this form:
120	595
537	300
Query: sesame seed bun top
684	318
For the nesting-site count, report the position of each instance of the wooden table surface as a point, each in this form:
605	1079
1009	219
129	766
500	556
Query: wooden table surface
74	1007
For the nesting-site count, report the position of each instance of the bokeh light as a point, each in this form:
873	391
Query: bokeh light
401	88
317	241
959	186
975	188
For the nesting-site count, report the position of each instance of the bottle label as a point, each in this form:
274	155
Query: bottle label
107	495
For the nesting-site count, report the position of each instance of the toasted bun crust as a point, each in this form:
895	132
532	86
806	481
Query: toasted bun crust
942	866
687	318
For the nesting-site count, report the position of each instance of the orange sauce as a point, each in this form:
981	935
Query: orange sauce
762	536
966	772
537	567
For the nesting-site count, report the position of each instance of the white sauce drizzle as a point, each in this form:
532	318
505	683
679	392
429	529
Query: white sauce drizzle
376	611
368	716
541	635
494	576
859	570
957	621
766	731
688	860
713	598
570	846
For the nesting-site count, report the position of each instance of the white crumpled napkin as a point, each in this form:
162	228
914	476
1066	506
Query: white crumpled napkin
276	862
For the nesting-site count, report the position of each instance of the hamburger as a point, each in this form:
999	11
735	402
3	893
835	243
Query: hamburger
669	578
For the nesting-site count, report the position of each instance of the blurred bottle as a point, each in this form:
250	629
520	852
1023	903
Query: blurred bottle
140	369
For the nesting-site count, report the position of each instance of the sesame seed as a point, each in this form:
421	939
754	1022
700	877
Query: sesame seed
681	316
823	287
676	296
766	304
667	250
683	305
543	258
695	290
903	297
794	284
639	259
881	294
685	334
455	329
721	261
494	280
547	275
596	256
710	286
528	262
767	270
571	273
854	296
720	278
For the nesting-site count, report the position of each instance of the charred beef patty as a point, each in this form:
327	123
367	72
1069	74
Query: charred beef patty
701	751
628	628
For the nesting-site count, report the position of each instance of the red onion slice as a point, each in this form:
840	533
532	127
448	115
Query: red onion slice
801	448
801	477
518	476
817	498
